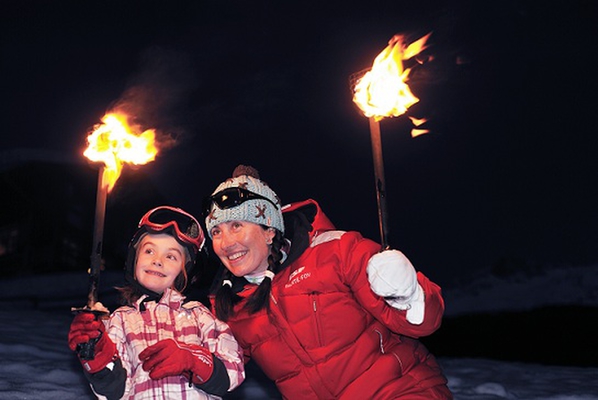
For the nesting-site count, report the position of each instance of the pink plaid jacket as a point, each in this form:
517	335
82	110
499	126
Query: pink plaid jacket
132	331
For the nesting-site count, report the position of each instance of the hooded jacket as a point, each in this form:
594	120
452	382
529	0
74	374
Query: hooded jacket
325	334
133	330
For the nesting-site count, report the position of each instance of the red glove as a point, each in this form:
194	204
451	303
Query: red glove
171	358
86	327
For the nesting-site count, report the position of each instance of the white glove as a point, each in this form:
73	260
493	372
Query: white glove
392	276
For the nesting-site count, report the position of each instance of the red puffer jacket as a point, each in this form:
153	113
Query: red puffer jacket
326	335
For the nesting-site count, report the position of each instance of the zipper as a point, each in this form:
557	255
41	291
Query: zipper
314	299
381	341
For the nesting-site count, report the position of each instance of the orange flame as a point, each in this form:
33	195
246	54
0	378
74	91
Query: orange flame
417	122
114	143
383	91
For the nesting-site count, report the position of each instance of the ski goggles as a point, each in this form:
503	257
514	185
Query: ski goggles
185	225
231	197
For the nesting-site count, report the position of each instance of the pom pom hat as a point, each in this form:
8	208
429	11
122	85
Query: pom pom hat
244	197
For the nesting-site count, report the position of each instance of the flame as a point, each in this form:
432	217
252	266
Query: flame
417	122
383	91
114	142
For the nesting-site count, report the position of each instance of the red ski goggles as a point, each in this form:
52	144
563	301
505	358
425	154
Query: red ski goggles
185	225
231	197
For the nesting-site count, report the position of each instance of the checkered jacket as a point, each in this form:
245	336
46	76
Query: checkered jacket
192	323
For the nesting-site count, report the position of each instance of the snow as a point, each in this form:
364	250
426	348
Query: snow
36	363
524	290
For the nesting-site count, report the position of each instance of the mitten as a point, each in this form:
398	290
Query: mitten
392	276
171	358
84	328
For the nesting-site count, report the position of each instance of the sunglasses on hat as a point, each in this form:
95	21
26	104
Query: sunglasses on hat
185	225
231	197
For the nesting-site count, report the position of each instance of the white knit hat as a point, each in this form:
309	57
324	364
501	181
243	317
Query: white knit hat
258	211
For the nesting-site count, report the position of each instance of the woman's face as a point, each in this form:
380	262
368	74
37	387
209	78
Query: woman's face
243	247
160	259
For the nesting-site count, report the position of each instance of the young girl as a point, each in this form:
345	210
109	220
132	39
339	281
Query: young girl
157	346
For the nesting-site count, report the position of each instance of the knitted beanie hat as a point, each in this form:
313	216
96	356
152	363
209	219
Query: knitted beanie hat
257	210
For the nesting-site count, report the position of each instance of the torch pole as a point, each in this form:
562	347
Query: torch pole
98	233
380	182
86	351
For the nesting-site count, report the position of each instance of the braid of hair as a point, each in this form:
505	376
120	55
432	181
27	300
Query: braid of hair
225	298
260	298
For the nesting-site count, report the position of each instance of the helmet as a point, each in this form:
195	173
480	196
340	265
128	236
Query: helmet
175	222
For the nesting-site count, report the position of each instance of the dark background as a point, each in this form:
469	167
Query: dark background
506	178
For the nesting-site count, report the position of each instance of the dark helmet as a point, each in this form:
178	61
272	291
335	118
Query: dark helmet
175	222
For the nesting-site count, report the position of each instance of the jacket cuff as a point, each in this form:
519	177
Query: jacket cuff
219	381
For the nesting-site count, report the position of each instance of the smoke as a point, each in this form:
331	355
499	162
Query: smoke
158	96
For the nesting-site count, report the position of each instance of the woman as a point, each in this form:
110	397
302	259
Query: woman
308	307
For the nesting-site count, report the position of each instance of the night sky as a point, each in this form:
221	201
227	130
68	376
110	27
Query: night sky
509	170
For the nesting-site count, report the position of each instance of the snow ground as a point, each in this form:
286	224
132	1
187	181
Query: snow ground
36	363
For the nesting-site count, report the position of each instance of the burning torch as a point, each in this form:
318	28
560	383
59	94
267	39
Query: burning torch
380	92
113	142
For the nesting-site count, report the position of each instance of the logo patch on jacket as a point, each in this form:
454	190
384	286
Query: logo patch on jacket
297	276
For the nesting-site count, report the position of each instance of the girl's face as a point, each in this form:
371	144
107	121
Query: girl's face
160	259
243	247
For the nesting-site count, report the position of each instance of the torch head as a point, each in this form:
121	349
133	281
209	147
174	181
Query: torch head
174	222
